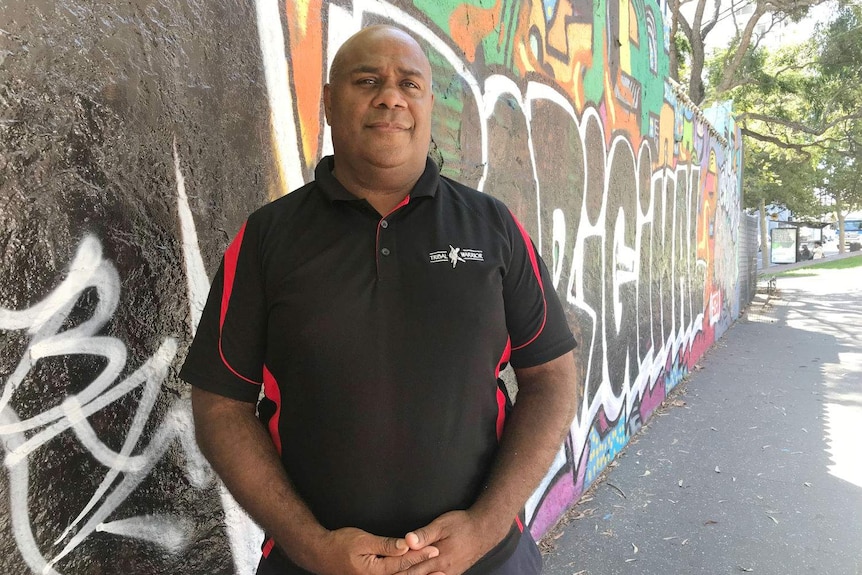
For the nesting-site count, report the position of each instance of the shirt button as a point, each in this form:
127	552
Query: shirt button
384	224
385	251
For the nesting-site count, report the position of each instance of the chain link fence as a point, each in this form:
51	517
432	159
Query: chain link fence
748	247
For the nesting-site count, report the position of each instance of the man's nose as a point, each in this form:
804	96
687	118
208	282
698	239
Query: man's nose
389	96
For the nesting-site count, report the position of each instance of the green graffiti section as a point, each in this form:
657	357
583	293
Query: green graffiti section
594	79
498	19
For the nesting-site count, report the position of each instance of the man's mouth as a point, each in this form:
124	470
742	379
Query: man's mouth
384	126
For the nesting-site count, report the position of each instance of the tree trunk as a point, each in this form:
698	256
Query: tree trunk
695	83
696	90
674	58
765	260
839	210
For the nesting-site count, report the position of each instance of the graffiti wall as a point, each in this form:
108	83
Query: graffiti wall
134	139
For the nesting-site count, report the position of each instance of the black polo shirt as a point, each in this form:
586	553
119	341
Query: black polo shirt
378	342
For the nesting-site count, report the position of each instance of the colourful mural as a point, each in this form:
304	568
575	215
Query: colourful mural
561	108
639	227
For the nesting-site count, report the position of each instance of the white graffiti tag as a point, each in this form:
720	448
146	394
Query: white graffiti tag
22	438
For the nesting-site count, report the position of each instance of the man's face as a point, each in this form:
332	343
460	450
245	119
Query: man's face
379	102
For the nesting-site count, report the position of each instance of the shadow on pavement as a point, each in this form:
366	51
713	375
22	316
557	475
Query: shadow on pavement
759	470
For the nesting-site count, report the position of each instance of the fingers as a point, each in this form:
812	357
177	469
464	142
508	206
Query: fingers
388	546
413	540
416	557
405	562
423	537
423	562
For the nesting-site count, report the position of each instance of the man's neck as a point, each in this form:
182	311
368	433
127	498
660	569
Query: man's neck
381	188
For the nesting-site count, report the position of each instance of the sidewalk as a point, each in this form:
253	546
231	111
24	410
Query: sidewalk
754	465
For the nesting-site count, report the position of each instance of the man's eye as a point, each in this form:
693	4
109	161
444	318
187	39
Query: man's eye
368	81
410	85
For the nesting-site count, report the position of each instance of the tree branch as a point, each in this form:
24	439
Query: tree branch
707	28
779	9
742	48
741	81
686	27
800	148
799	126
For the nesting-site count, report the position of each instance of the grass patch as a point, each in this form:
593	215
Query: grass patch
851	262
842	264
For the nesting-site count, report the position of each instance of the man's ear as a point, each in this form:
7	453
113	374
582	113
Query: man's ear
327	102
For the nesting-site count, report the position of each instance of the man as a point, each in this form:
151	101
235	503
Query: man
818	250
376	306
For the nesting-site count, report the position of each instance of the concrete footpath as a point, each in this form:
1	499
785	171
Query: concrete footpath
754	464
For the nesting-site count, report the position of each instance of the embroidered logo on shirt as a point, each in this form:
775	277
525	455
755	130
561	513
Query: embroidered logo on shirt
455	255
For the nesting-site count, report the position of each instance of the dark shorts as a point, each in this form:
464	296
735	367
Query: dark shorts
526	560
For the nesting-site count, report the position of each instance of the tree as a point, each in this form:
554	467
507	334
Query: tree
799	97
800	109
840	74
708	13
775	176
779	104
779	167
840	172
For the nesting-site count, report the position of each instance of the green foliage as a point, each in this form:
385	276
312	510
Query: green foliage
752	71
776	83
840	54
840	171
800	108
683	54
839	93
778	176
776	86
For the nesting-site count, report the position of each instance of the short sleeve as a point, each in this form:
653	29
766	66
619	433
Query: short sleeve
534	316
227	354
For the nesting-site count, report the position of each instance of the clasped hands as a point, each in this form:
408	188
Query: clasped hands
449	545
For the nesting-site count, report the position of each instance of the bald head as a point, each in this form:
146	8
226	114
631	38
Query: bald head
366	37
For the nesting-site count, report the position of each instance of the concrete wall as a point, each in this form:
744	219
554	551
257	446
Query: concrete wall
136	136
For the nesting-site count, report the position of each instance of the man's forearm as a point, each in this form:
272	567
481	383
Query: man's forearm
548	397
239	449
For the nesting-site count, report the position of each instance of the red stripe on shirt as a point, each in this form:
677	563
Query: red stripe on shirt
267	546
403	203
505	357
535	263
273	393
501	413
501	397
230	259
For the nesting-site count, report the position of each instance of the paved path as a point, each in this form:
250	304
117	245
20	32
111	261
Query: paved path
757	467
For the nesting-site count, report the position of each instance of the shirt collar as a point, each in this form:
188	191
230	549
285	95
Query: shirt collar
426	185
